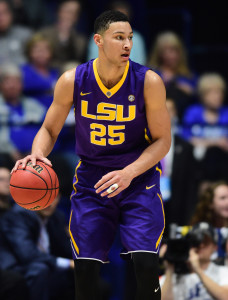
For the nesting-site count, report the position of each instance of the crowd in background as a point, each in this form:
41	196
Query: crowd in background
38	42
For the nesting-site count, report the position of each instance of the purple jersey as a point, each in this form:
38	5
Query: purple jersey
110	123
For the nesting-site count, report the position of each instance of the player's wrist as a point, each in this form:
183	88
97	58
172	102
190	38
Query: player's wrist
37	153
131	171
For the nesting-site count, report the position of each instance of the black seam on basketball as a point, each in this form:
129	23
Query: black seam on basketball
36	175
51	183
33	201
48	173
27	188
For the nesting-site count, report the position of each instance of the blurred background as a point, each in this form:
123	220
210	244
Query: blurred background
187	45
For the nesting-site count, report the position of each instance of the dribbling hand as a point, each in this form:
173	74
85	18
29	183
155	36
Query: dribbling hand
33	158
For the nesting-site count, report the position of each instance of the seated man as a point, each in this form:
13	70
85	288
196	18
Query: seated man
36	245
205	279
11	283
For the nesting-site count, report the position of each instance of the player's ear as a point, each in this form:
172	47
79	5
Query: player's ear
98	39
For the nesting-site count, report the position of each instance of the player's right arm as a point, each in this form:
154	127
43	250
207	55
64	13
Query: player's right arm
56	115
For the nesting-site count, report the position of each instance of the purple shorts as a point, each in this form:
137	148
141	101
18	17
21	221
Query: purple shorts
94	220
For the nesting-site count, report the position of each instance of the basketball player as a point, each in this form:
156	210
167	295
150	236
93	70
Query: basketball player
117	179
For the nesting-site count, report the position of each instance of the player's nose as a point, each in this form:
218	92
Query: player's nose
127	44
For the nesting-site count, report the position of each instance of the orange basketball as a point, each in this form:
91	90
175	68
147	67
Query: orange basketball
34	187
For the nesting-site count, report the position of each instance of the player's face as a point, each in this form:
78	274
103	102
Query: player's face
117	42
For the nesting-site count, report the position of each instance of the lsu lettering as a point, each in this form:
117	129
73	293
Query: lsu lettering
109	112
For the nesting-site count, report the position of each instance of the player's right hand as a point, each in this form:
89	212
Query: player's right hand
33	158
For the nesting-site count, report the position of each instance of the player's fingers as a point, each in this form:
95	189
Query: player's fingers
46	161
33	160
116	192
105	178
109	187
105	185
24	161
16	166
113	188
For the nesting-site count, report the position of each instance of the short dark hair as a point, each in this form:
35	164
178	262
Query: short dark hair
103	21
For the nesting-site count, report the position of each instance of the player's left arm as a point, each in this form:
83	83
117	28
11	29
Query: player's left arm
158	121
159	125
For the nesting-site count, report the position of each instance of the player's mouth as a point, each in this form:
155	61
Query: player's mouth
125	56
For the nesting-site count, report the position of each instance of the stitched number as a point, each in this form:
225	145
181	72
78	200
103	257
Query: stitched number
99	131
119	136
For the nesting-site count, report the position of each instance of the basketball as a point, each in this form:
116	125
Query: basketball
34	187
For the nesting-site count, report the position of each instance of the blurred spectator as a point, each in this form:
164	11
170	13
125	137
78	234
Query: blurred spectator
36	244
213	205
204	280
169	59
33	14
12	37
68	44
206	126
213	209
39	77
181	99
179	174
11	283
5	199
138	52
20	116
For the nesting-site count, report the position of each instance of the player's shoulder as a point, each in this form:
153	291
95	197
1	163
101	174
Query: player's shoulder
152	77
149	75
153	81
138	68
66	80
69	75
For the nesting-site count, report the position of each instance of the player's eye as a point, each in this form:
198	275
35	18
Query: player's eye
119	37
130	37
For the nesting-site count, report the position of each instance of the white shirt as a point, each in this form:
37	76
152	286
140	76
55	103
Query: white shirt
190	287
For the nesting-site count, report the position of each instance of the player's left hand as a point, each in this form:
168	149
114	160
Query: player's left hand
121	179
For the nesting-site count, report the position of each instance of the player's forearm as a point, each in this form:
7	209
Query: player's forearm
43	142
149	157
217	291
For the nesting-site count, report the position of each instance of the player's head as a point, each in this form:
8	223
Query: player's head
108	17
113	36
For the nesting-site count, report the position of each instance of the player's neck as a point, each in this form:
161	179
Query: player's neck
109	73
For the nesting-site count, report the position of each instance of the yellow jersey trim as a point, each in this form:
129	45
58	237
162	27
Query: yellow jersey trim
147	137
76	176
109	92
71	236
159	170
159	239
